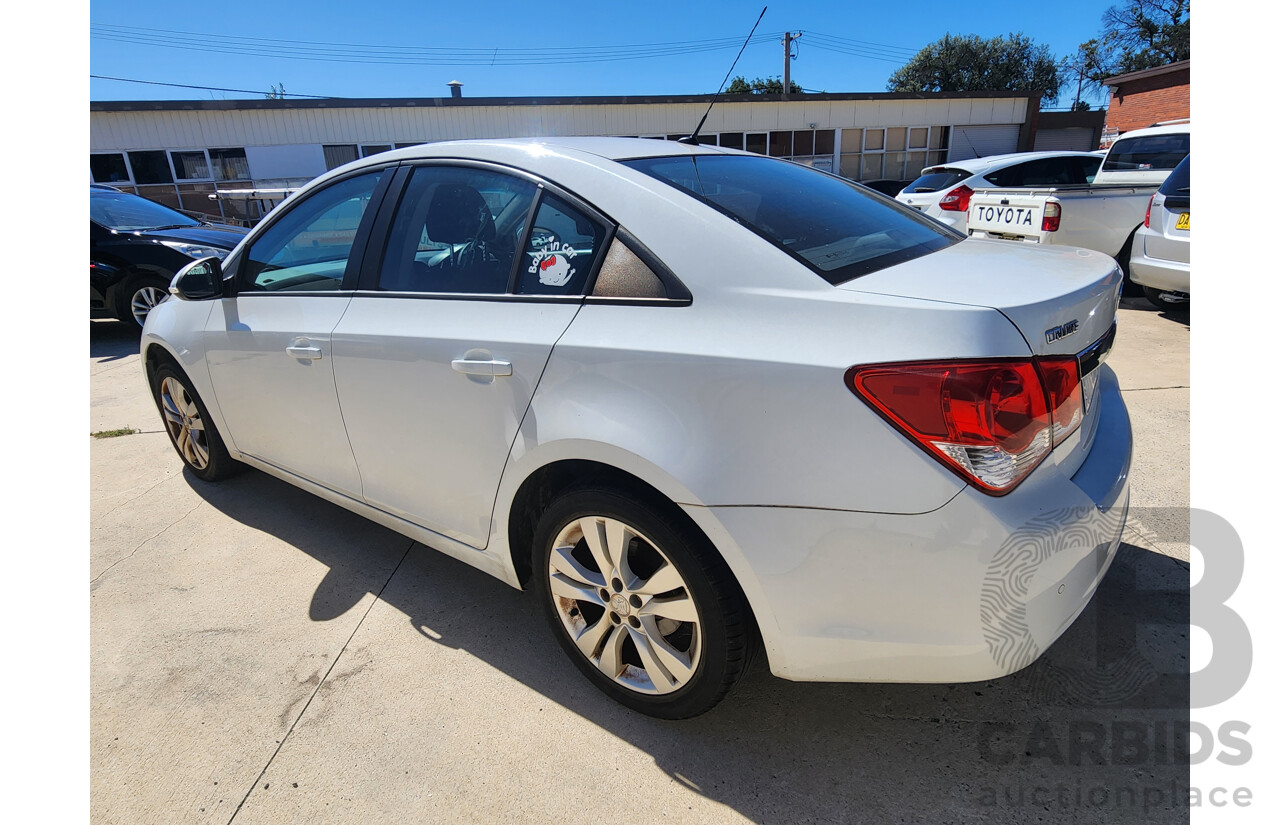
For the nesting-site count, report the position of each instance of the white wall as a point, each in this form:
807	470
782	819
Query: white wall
302	160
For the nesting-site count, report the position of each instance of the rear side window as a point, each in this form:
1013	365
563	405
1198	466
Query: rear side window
563	246
936	180
1179	180
1149	153
830	225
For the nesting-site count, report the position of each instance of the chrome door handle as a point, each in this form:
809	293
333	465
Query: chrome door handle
467	366
301	348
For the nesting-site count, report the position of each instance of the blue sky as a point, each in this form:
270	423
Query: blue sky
564	35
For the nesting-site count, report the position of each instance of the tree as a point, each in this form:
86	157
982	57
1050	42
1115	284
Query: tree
760	86
1087	68
970	63
1144	34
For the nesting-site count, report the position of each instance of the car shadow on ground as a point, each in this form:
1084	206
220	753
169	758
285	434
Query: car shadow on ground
1178	314
1087	733
112	340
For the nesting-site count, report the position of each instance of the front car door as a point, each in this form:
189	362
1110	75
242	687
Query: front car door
268	347
438	355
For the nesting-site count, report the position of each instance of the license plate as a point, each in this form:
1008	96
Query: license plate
1005	219
1184	221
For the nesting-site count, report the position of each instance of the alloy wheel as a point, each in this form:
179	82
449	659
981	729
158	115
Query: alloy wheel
185	425
144	300
625	605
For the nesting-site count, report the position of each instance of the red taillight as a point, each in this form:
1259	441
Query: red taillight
1052	217
957	200
1147	220
1066	401
991	422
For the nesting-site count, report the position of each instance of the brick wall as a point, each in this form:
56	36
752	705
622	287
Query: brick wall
1140	103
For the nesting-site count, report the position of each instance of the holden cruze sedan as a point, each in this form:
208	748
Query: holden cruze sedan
701	403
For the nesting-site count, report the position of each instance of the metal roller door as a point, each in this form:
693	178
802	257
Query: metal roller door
1073	139
982	141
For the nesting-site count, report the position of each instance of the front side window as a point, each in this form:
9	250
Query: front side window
1152	152
834	227
310	246
456	231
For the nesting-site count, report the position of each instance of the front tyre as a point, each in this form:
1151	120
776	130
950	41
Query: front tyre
140	295
190	429
641	602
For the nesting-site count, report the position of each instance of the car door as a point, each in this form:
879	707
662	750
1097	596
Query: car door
268	347
439	353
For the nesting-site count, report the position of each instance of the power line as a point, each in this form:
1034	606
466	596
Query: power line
206	88
404	55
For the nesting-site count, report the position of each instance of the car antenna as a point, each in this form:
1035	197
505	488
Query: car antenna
692	139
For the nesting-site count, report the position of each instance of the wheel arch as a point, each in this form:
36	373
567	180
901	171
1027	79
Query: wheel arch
541	484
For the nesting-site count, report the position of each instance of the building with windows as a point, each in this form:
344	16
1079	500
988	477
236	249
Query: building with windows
179	152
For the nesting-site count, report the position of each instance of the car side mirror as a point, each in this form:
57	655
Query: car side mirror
199	280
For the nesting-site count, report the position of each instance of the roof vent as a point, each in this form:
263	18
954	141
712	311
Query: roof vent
455	89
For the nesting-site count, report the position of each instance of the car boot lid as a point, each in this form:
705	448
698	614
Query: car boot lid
1062	299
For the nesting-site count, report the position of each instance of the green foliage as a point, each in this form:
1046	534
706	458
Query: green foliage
1144	34
760	86
276	93
115	433
970	63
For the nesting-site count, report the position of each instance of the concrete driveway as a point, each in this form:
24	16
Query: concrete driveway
259	655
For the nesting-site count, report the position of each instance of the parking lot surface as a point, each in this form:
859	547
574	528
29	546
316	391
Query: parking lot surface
259	655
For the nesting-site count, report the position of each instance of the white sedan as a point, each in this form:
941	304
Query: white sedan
701	403
942	192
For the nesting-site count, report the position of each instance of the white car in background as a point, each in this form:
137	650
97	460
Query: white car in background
1161	261
942	191
700	402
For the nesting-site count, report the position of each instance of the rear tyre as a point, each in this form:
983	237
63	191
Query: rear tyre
1154	296
190	429
641	602
1130	289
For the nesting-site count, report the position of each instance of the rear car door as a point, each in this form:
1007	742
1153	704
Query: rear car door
439	353
268	347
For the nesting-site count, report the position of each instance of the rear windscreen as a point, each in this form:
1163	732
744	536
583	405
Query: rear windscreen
1151	153
936	180
833	227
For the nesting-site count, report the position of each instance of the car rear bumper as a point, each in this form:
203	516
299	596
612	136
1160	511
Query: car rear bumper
974	590
1158	273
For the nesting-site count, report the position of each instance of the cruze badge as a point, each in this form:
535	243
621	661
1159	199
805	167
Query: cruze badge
1060	332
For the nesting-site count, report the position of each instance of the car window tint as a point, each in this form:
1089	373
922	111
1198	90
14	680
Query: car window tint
1087	169
1047	172
562	248
308	248
1179	180
456	231
936	180
834	227
1152	152
1008	176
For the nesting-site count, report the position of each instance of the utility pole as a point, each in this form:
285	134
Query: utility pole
787	39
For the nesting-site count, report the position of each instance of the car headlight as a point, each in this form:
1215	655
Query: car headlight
197	251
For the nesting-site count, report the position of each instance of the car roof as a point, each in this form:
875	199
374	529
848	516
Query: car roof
977	166
1166	129
610	148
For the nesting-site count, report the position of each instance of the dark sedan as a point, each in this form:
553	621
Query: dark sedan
135	248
